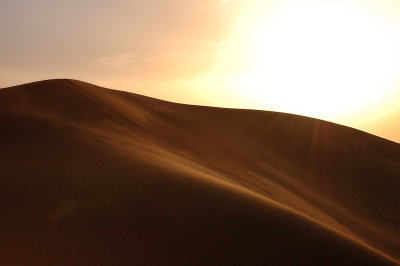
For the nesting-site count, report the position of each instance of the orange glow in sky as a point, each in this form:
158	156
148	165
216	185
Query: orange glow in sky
334	60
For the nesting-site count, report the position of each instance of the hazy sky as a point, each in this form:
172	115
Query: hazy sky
335	60
146	46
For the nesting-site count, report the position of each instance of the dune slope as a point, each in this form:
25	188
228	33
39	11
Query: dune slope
96	176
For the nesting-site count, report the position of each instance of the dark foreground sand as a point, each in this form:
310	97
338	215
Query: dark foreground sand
91	176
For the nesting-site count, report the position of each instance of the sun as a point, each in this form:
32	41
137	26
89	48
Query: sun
318	59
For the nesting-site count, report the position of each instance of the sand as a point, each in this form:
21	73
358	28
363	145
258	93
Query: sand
93	176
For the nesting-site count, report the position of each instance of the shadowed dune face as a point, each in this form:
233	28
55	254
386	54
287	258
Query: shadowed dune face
96	176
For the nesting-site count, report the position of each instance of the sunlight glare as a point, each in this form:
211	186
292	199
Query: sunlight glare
318	59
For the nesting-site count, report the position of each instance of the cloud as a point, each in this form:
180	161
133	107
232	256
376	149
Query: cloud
121	61
225	4
165	63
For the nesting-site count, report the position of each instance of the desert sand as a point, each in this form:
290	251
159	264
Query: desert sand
94	176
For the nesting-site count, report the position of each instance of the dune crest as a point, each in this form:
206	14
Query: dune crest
97	176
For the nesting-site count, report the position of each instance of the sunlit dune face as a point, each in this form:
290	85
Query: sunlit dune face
318	59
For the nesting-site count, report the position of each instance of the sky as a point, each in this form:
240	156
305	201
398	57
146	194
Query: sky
330	59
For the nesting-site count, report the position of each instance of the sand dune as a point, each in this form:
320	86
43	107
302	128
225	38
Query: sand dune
95	176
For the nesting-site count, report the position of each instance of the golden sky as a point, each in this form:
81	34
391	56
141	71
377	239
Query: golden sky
331	59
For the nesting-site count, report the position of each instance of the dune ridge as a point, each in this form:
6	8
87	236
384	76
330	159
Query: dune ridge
94	175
